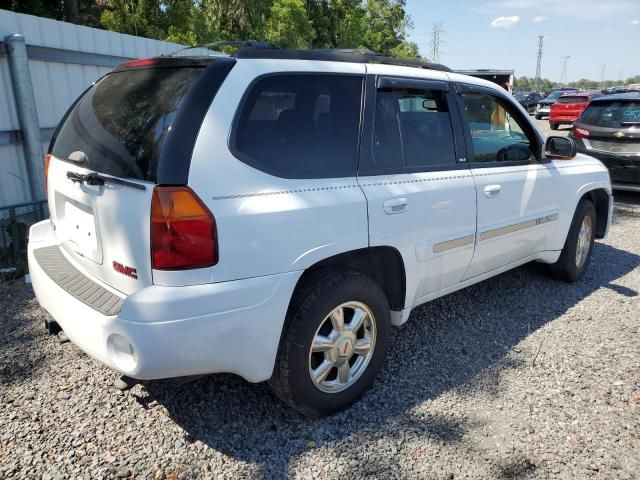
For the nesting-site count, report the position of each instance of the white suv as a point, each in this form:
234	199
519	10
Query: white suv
272	213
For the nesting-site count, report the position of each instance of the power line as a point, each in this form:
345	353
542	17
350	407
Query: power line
563	75
436	42
539	62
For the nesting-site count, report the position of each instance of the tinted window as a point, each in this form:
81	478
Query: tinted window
496	136
412	129
301	126
120	124
573	99
612	114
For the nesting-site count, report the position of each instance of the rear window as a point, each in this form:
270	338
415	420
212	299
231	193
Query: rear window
121	123
573	99
300	126
612	114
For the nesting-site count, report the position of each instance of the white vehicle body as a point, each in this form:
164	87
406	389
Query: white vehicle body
543	110
450	227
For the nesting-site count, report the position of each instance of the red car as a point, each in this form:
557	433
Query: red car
568	108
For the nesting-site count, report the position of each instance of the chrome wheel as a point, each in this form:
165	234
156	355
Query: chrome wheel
342	347
584	241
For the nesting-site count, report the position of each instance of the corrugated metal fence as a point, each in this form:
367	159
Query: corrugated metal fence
64	59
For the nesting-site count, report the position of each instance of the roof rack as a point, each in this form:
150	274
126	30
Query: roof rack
259	49
228	43
335	55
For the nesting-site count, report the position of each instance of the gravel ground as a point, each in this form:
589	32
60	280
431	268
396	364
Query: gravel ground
518	377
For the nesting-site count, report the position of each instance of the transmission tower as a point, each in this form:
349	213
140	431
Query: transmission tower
563	75
436	42
603	69
539	64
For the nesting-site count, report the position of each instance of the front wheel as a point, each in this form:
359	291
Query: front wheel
578	248
553	126
333	345
538	117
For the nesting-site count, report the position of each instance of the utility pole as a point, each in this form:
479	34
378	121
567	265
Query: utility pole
563	75
603	68
539	63
436	42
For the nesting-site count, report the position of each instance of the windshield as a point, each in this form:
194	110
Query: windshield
612	114
520	96
119	126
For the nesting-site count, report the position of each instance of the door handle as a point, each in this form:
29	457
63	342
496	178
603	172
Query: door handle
492	190
395	205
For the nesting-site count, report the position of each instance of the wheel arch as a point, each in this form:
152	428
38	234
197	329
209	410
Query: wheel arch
600	199
383	264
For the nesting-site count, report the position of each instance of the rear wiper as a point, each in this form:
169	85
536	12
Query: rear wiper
97	179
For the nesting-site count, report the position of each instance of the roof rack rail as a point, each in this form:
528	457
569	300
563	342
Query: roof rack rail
227	43
362	55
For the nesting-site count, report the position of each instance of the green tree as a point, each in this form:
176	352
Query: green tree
386	23
135	17
288	24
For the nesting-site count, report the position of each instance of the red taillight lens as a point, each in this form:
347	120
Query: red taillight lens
47	160
183	230
143	62
581	132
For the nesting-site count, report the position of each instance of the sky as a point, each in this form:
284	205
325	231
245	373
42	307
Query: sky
503	34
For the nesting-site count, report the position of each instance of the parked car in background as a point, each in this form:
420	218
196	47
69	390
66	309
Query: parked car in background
273	213
544	105
528	100
568	108
609	130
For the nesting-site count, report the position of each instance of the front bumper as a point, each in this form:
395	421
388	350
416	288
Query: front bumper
163	332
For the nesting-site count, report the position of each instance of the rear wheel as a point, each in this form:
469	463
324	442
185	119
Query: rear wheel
553	125
538	117
333	345
576	254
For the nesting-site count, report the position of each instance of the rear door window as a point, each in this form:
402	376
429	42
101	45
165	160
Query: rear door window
300	125
612	114
121	123
412	131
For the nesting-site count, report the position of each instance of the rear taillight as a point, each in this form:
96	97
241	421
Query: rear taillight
581	132
47	160
183	230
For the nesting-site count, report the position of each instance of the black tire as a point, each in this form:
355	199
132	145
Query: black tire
538	117
553	126
291	380
567	267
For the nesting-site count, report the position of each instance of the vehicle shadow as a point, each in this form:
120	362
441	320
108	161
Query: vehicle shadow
19	360
447	344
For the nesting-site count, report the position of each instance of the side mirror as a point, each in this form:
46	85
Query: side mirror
560	148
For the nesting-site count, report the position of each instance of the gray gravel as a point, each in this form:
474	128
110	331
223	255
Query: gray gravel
518	377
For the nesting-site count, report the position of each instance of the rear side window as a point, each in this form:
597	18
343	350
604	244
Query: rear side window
121	123
412	130
612	114
300	126
576	99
